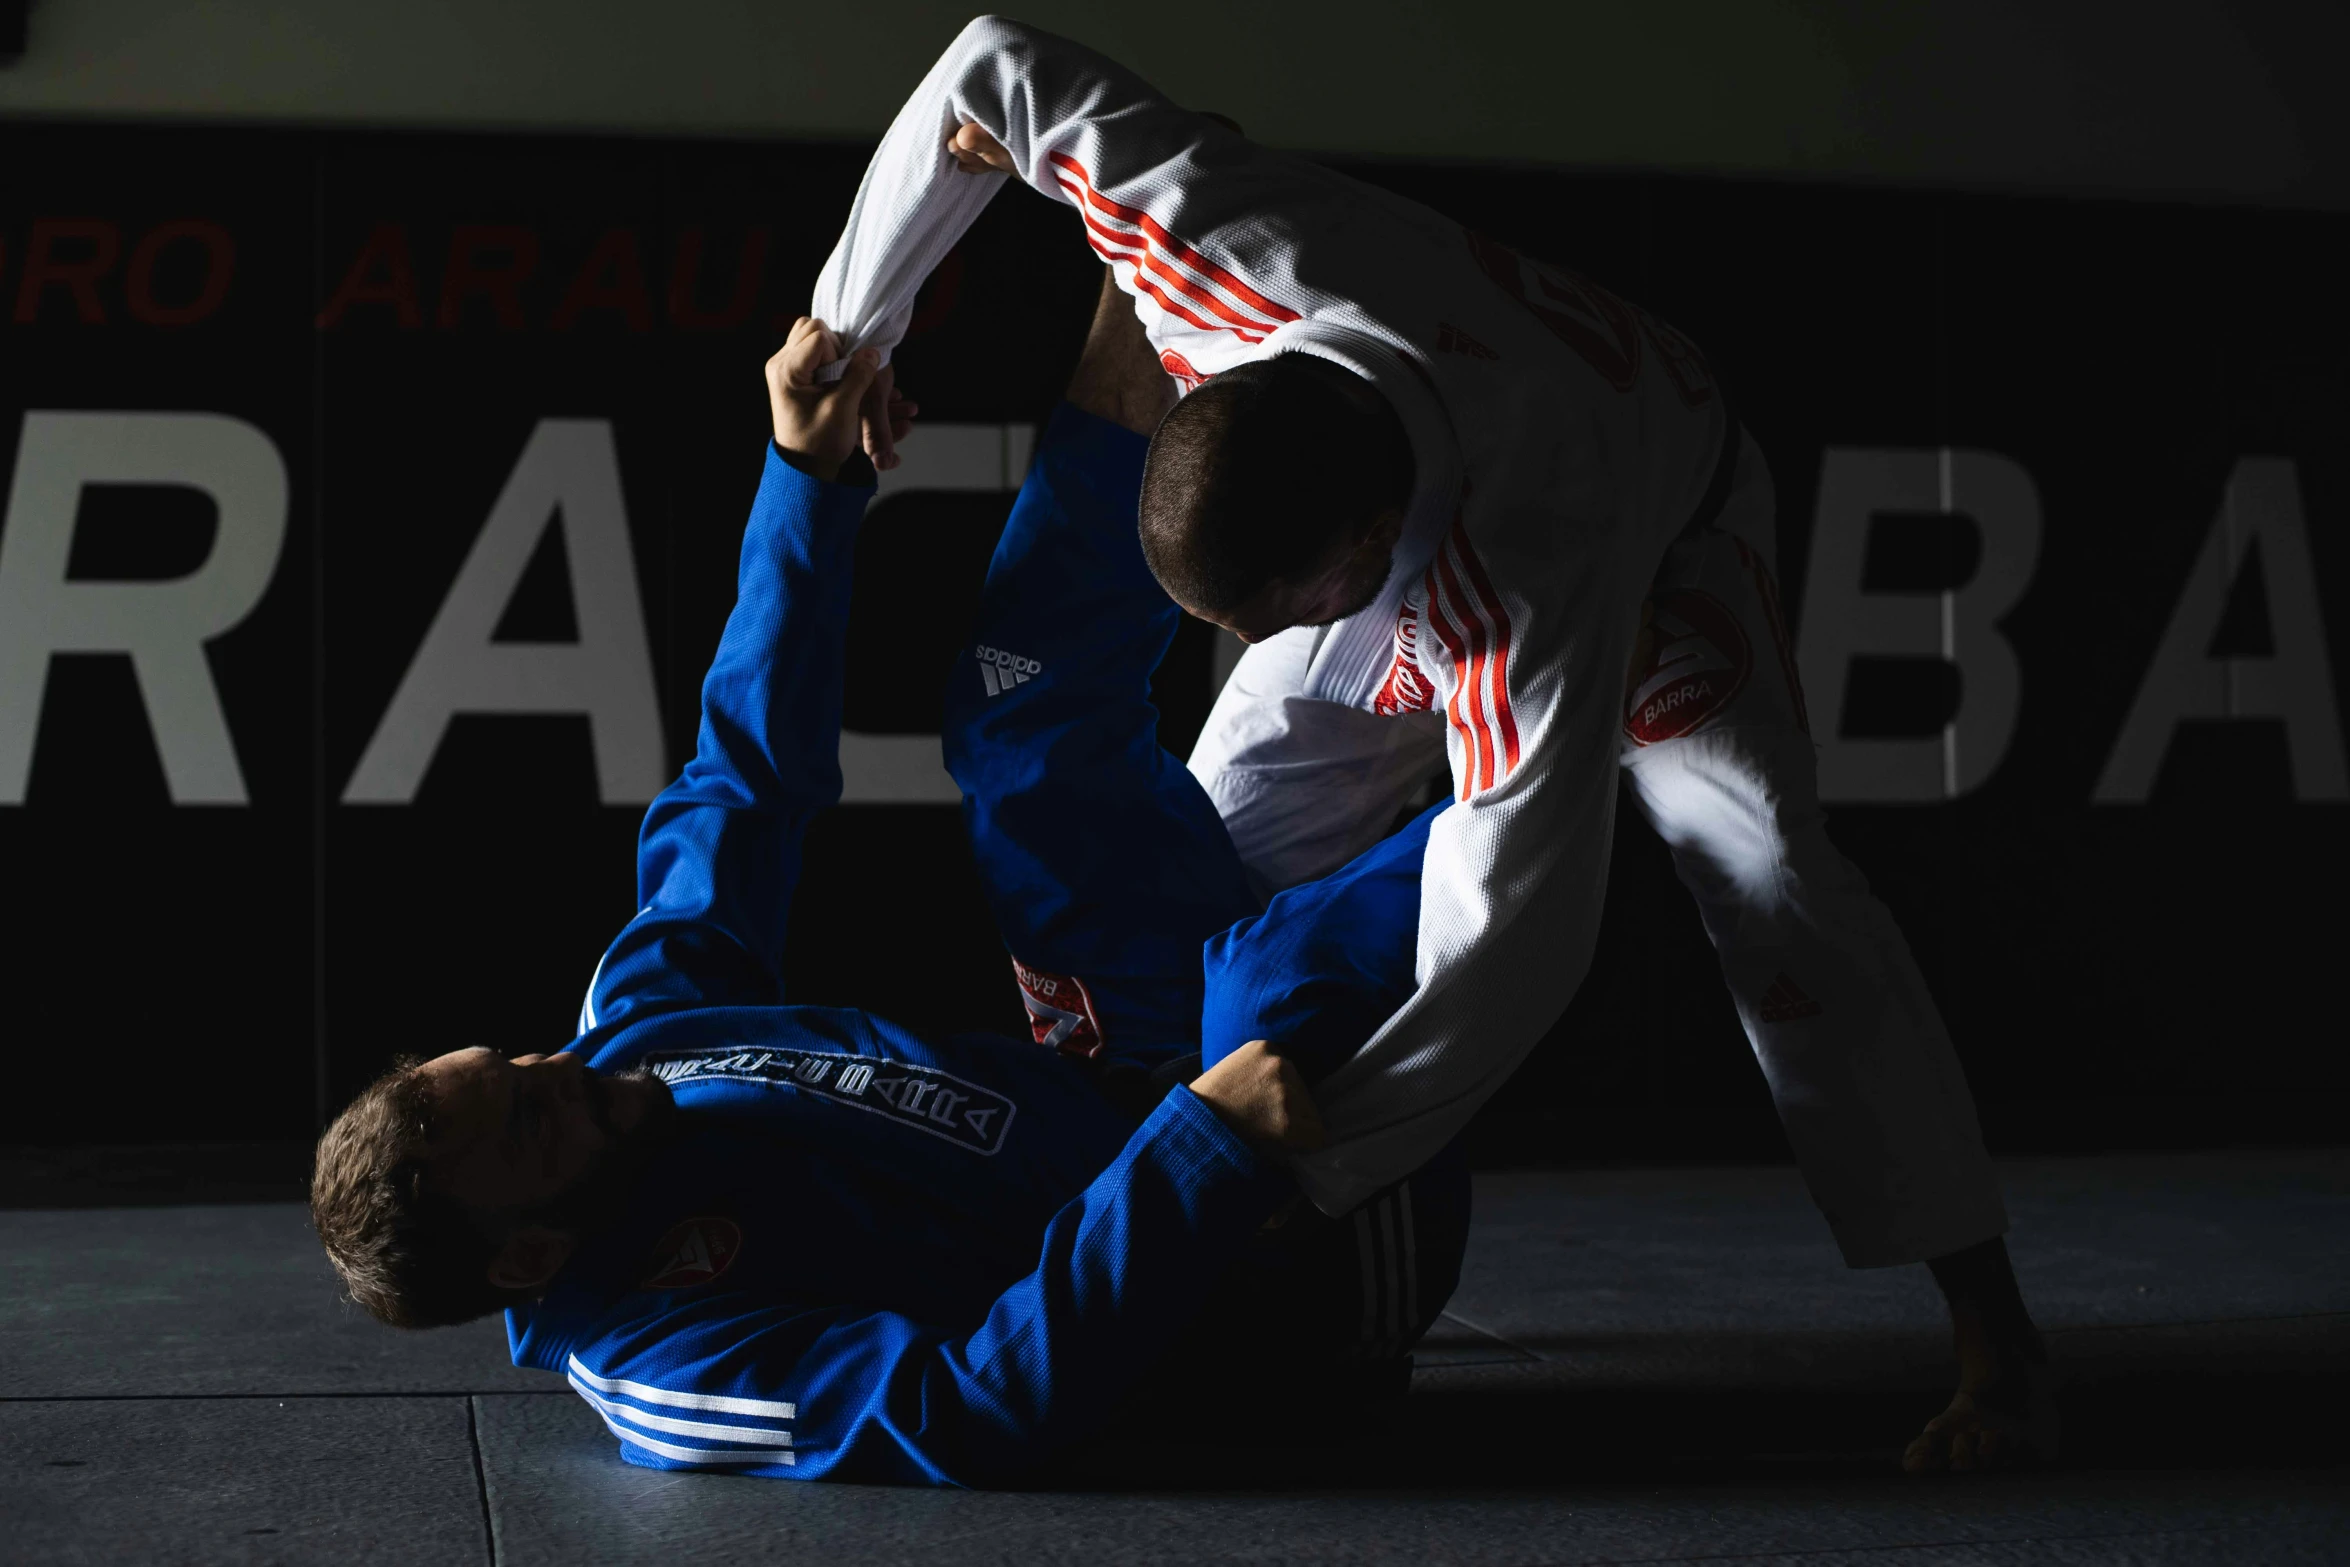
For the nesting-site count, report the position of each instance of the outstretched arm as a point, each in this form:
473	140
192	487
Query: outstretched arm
719	852
1528	684
1174	201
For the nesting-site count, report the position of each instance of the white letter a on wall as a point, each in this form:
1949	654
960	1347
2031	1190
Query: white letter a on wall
2295	683
569	466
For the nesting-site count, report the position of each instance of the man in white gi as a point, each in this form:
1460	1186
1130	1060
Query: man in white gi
1452	496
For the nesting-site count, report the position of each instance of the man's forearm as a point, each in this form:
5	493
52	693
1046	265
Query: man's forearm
1045	101
1118	376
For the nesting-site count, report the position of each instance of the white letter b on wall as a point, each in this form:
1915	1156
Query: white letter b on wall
1960	625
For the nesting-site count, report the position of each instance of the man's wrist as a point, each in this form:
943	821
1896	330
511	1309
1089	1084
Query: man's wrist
854	469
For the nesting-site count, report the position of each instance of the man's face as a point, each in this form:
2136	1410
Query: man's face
515	1136
1347	581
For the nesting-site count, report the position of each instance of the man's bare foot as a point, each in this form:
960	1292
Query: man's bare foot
2003	1415
1118	377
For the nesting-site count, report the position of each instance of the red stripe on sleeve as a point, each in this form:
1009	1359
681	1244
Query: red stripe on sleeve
1115	245
1471	735
1506	720
1473	678
1173	246
1242	325
1132	249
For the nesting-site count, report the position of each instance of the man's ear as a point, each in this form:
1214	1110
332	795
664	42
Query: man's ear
532	1255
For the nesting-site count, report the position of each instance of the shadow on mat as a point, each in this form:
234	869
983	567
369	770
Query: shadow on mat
2169	1417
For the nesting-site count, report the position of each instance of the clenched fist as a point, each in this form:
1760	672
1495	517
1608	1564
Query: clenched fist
818	422
1260	1096
977	152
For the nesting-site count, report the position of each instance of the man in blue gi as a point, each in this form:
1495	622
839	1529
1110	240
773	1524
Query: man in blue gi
808	1242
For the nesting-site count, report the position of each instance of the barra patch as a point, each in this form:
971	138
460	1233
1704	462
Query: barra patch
1690	659
694	1253
1060	1011
920	1097
1405	690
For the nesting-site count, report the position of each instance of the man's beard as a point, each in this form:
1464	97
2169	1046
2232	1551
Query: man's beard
593	1200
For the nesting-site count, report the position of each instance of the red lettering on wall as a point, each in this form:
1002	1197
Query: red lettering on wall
493	263
612	278
685	281
43	267
380	274
220	265
468	273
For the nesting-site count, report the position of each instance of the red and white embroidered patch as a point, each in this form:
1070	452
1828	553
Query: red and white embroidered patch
1684	366
1405	690
1180	368
1060	1011
694	1253
1690	660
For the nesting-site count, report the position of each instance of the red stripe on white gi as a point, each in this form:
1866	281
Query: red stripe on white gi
1469	616
1470	676
1489	601
1115	245
1456	647
1158	248
1135	248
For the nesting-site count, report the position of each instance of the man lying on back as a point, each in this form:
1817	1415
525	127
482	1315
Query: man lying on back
806	1241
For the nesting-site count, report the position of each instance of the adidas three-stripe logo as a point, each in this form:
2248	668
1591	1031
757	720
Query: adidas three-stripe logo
1001	671
1388	1254
755	1431
1785	1001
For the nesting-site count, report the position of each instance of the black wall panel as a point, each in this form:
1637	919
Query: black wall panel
402	316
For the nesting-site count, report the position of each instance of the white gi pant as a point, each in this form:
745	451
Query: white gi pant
1720	760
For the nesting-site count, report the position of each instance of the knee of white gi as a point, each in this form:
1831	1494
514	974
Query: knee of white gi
1731	804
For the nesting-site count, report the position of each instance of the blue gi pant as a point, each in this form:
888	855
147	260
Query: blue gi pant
1134	935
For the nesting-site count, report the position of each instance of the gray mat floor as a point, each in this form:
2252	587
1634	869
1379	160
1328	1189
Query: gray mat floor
1653	1366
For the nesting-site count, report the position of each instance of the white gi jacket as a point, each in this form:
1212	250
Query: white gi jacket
1562	438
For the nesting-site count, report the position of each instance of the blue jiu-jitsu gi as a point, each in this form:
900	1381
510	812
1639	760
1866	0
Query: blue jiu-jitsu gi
873	1254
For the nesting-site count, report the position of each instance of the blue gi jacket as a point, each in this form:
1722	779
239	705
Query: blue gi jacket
834	1269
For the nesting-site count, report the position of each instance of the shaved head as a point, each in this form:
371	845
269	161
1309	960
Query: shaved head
1274	474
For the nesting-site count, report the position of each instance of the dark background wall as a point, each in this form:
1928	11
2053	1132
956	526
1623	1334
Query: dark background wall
2209	98
399	313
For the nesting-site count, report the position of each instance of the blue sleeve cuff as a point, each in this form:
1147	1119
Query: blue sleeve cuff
857	479
1208	1162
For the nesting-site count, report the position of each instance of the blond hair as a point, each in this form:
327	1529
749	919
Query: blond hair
411	1257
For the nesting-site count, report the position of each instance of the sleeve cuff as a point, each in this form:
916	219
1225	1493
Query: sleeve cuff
856	471
1207	1159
